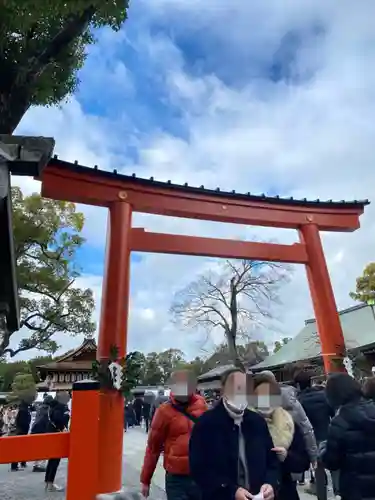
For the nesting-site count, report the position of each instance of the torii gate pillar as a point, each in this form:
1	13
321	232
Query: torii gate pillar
329	327
113	332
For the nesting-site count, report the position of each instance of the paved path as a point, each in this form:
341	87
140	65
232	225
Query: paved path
26	485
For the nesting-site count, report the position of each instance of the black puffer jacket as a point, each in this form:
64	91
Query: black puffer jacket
58	417
350	448
41	418
23	419
318	411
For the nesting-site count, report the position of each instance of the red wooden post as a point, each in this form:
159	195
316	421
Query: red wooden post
113	331
84	451
327	318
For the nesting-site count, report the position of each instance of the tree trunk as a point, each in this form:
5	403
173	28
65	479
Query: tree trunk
16	85
232	333
4	341
233	351
13	106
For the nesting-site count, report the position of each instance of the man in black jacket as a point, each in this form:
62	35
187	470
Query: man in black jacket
58	421
23	420
319	412
230	454
314	402
40	427
137	405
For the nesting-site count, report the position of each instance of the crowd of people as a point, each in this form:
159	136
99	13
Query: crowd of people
260	437
52	415
142	409
254	439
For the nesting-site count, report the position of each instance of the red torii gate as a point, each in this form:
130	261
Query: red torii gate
123	195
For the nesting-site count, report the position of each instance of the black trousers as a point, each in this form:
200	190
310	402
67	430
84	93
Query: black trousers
14	466
147	422
52	466
178	487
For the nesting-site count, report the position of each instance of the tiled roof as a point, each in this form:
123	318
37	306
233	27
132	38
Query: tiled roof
151	182
218	371
67	365
88	345
358	324
70	360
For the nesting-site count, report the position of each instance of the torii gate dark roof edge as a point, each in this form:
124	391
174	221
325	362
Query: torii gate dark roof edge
81	184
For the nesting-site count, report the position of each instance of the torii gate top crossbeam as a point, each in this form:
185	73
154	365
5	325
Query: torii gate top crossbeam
70	181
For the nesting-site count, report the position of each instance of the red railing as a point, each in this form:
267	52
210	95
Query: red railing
79	445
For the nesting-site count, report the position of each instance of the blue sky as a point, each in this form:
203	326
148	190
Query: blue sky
253	96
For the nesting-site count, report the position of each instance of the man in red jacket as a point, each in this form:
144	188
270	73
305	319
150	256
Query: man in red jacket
170	432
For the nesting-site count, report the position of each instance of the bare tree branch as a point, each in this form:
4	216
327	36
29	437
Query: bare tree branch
238	296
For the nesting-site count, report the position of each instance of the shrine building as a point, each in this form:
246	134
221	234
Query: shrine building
358	326
72	367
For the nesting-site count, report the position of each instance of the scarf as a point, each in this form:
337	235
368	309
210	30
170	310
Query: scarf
281	426
233	412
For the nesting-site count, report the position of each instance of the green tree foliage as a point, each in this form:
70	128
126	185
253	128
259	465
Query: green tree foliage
152	372
365	286
132	371
237	298
170	360
198	366
8	371
158	366
23	388
42	47
38	361
280	343
47	235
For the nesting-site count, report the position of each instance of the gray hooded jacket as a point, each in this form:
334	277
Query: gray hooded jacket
294	407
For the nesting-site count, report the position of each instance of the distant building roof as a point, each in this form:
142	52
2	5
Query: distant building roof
216	372
358	324
76	359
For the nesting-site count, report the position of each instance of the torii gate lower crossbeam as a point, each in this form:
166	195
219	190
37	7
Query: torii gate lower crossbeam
124	194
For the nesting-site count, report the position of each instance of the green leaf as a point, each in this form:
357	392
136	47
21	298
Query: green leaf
43	45
365	286
23	388
47	236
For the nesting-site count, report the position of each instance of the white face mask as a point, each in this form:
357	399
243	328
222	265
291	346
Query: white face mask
238	401
263	402
263	405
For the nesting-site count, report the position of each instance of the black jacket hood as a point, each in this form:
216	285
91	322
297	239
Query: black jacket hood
360	415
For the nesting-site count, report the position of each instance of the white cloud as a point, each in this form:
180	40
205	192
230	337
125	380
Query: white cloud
314	139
